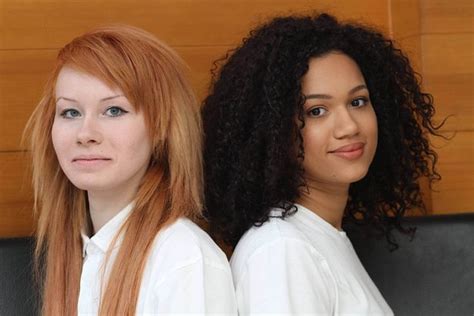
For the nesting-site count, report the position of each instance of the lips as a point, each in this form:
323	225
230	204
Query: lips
89	158
90	162
348	148
349	152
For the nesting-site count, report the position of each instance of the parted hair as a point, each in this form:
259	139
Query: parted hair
154	80
253	117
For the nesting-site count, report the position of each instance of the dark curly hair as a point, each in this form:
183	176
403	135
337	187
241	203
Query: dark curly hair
250	127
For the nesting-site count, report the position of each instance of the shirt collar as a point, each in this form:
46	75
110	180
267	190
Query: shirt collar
106	234
312	217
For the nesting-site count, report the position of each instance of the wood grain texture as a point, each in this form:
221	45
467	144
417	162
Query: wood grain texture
411	47
16	206
448	75
405	18
448	54
447	16
51	24
200	61
22	77
448	72
453	99
454	193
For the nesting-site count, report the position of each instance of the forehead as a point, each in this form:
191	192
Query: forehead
74	83
333	72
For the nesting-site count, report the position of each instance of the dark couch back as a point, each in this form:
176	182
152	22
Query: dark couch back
431	275
17	294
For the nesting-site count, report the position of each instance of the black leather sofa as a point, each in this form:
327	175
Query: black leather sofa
18	295
431	275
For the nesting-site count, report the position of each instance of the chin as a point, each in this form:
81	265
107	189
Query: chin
88	183
352	177
81	185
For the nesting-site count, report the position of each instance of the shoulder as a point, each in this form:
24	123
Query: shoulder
275	259
187	272
184	243
276	237
274	231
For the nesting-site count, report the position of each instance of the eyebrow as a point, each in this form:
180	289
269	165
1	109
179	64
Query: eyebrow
326	96
101	100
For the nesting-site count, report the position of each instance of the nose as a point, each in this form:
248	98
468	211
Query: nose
89	132
345	124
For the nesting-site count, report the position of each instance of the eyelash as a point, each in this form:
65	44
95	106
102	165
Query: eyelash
122	111
311	112
364	99
66	113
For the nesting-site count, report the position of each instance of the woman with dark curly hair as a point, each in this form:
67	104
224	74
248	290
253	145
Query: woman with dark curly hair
312	124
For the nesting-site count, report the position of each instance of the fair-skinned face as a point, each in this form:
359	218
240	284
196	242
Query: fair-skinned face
340	133
101	141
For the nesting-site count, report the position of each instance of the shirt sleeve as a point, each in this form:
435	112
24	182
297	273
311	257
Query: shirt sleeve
286	277
198	288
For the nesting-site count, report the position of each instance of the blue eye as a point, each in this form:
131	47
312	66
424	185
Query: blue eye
70	113
359	102
317	111
115	111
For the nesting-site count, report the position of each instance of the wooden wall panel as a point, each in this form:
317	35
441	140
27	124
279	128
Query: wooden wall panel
447	54
405	27
453	100
448	71
200	60
448	75
405	18
22	76
454	193
446	16
50	24
16	206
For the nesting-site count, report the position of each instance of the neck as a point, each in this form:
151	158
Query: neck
103	206
328	201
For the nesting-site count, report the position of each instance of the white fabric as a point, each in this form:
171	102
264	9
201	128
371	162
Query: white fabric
302	265
185	273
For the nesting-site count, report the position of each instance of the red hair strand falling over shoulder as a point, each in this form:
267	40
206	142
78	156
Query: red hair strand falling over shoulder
153	78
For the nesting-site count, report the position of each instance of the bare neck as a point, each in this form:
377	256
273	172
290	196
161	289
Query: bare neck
103	206
328	201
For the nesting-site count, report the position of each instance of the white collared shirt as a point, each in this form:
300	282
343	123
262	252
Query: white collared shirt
302	265
185	273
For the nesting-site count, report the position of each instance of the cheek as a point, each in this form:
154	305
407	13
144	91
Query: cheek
372	129
370	132
314	141
137	145
59	138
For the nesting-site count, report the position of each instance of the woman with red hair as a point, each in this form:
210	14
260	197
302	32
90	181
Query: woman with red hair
117	175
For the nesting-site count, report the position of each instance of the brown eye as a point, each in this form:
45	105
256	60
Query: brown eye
359	102
316	112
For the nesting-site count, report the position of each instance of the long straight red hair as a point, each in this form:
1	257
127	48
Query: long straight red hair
153	78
